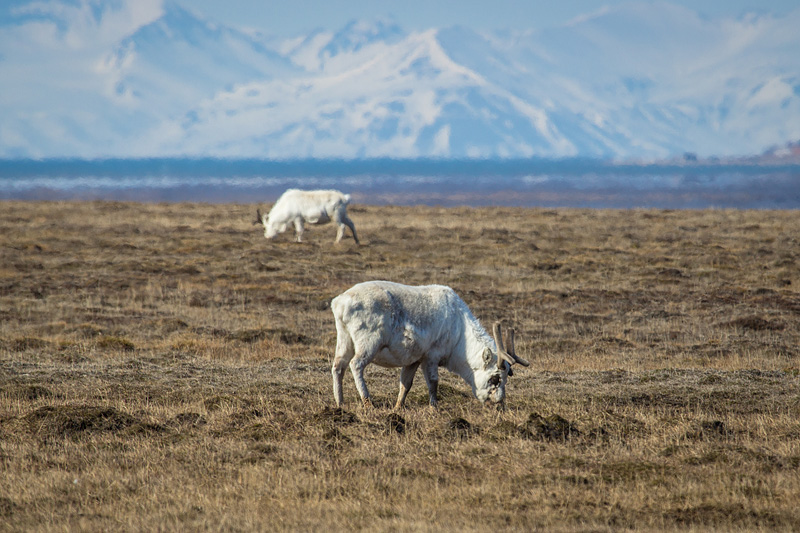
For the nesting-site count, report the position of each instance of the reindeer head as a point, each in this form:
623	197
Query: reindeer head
491	384
270	229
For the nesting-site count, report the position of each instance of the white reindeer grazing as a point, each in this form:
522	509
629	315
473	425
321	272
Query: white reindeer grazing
394	325
313	207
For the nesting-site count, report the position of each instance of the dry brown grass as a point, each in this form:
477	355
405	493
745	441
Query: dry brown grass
164	367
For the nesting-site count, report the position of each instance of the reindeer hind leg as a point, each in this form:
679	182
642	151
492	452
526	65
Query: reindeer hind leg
343	356
406	380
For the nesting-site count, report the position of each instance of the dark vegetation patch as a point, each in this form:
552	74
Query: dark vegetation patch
755	323
449	394
249	335
282	335
216	402
26	343
244	417
29	392
459	428
259	452
506	429
673	273
89	330
335	440
710	430
710	515
116	343
287	336
551	428
546	266
334	415
394	423
170	325
8	507
73	421
189	419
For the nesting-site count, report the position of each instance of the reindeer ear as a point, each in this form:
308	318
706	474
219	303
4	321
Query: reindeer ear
488	358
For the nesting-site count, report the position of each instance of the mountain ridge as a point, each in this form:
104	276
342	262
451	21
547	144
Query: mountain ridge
639	82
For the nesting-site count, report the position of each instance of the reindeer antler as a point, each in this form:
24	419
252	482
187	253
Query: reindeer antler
509	356
259	218
512	352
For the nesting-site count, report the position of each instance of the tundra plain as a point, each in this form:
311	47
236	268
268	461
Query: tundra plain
163	367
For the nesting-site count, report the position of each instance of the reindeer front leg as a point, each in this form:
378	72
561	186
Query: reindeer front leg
298	229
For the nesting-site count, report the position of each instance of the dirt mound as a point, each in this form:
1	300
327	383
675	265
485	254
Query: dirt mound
507	430
287	336
282	335
189	419
448	394
460	429
26	392
755	323
552	428
226	401
334	415
7	507
394	423
710	430
537	427
24	343
335	440
72	421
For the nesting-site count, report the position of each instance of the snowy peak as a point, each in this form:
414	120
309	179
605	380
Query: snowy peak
79	23
182	51
359	33
358	40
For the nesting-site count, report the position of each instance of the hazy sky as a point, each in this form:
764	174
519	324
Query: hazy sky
290	17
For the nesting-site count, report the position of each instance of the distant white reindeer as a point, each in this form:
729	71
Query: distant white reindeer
313	207
394	325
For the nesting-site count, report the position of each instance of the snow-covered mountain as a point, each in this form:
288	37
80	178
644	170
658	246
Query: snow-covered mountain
147	78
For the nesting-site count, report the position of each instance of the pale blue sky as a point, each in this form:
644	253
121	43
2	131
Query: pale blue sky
291	17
